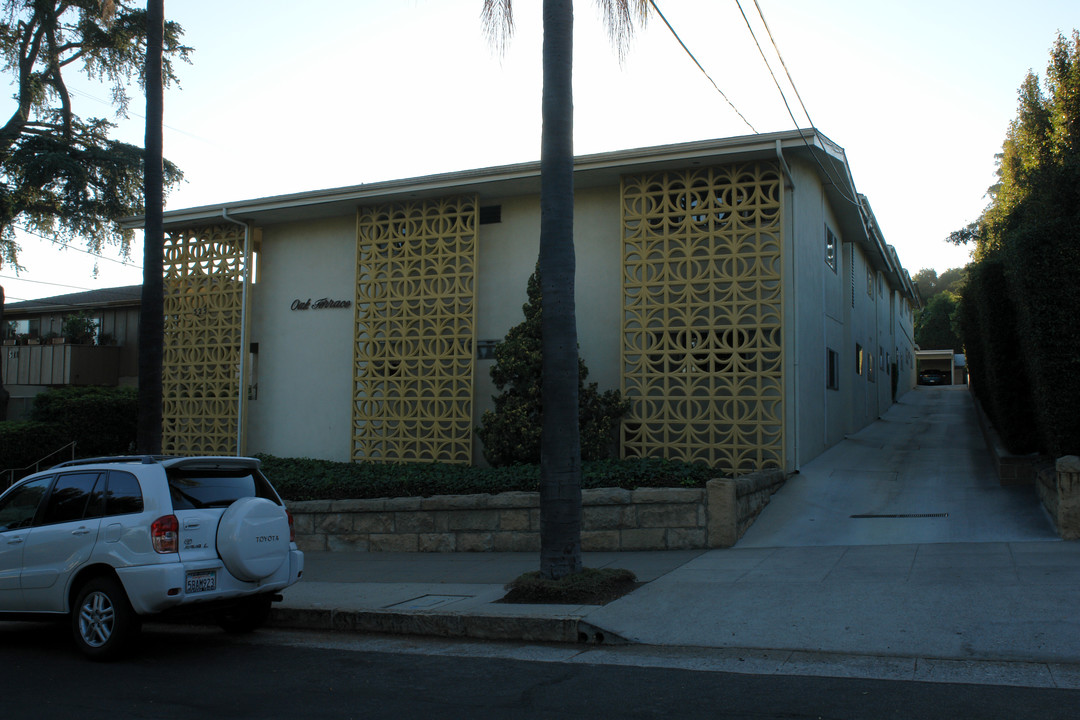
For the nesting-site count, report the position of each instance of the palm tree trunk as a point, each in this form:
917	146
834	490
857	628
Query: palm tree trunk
560	461
152	314
4	394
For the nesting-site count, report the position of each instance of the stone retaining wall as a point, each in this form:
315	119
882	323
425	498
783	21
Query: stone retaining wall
612	519
1059	490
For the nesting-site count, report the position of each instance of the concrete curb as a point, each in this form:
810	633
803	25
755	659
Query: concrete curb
521	628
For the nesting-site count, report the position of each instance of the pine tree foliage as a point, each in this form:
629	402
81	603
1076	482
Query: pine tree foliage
60	173
511	433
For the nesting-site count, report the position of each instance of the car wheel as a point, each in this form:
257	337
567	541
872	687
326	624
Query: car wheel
102	621
246	616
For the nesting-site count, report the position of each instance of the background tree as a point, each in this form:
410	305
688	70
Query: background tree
560	463
929	283
937	323
511	432
60	173
1029	237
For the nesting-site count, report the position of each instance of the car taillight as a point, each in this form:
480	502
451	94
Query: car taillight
292	530
165	534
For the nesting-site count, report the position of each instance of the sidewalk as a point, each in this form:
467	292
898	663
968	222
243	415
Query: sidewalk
981	592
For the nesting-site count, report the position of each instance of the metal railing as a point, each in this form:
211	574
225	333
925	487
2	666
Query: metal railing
9	476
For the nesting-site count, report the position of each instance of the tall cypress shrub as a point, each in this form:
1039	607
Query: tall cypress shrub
511	433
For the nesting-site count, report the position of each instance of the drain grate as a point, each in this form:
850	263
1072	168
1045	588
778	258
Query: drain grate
908	515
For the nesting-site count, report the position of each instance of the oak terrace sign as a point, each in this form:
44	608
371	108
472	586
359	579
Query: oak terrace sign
321	304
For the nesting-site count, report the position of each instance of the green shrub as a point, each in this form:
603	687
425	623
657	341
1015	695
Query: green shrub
24	443
511	432
307	479
103	421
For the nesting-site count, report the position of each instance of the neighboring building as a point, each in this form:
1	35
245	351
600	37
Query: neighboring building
36	356
738	291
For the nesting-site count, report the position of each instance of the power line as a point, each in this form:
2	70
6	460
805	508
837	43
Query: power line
76	249
41	282
824	170
782	63
657	9
141	117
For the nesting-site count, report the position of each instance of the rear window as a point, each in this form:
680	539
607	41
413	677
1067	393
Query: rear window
197	488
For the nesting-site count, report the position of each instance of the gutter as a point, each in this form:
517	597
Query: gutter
242	396
790	185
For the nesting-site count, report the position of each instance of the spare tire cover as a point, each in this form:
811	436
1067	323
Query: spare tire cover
253	538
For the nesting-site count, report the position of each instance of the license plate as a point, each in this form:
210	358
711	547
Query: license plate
198	582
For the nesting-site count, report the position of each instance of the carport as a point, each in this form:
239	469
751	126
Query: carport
947	361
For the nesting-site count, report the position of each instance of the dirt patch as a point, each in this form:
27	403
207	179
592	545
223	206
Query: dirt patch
588	587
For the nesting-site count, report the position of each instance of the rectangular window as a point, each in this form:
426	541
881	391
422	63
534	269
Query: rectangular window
832	369
858	359
830	248
851	270
869	282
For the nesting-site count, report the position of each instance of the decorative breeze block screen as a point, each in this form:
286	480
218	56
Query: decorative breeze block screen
703	316
203	287
415	331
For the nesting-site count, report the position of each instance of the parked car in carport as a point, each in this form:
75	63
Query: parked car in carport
933	377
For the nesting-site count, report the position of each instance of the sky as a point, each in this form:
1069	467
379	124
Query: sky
341	92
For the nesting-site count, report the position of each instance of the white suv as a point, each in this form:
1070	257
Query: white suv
109	541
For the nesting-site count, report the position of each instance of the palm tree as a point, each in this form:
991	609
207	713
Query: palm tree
152	313
560	455
4	394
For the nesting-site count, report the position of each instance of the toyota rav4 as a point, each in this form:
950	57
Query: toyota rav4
111	541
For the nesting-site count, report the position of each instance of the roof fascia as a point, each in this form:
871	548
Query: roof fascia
462	181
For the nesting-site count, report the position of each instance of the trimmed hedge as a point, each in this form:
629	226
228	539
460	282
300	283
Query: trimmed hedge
996	368
24	443
101	421
299	479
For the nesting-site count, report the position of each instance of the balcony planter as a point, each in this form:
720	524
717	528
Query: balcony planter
10	341
58	340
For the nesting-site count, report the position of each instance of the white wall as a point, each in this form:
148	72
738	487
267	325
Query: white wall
305	365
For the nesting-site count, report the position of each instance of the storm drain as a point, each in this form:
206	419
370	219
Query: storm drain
908	515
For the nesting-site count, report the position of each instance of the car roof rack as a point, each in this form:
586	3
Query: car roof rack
144	459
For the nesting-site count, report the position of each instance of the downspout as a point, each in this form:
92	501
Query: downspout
241	396
789	185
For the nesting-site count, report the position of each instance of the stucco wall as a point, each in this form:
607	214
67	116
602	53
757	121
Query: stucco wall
303	406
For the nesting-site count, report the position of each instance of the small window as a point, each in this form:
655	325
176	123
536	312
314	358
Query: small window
21	505
832	369
858	359
830	248
124	495
490	214
69	497
869	282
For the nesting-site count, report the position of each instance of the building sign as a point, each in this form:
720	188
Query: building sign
321	304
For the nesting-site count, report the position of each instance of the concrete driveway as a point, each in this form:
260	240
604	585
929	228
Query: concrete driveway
925	461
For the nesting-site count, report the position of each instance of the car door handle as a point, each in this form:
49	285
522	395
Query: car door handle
81	531
191	524
14	541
